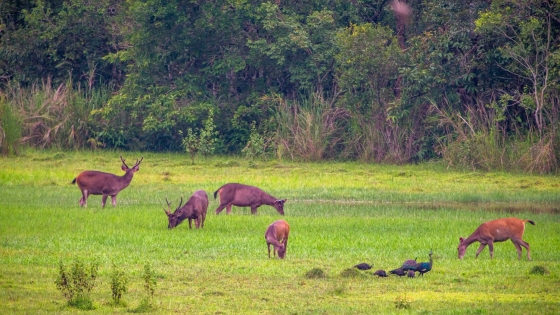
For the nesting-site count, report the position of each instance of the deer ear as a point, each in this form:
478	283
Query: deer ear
124	168
461	239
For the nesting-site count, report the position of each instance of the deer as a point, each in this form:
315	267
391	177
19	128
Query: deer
239	195
277	234
497	231
195	209
106	184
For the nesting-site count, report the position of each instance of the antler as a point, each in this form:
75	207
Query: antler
180	203
138	162
124	162
168	206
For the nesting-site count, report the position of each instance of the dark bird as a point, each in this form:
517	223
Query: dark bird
363	266
380	273
411	273
399	272
409	264
424	267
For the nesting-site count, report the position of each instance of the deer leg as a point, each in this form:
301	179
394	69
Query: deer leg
491	248
203	219
518	243
228	208
103	200
518	248
220	208
254	209
268	245
480	248
190	226
83	200
114	200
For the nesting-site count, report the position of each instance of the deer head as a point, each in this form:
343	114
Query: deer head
173	218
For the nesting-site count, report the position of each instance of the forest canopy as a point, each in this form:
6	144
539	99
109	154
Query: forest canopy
475	83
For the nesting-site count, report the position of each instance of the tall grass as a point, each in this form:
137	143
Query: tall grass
310	129
10	128
56	117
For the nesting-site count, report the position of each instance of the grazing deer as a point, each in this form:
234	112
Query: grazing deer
195	209
240	195
277	234
106	184
497	231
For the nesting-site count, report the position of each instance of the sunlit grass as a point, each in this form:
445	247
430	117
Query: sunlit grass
340	214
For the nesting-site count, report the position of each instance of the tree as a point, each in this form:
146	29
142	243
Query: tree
528	37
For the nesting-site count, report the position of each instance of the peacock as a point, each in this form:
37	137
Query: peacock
409	264
363	266
399	272
380	273
424	267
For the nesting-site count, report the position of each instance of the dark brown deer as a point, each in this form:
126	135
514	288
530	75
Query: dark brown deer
240	195
497	231
195	209
106	184
277	234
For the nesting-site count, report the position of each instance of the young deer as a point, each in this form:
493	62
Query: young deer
106	184
497	231
277	234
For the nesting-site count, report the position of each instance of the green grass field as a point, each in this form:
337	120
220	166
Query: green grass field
340	214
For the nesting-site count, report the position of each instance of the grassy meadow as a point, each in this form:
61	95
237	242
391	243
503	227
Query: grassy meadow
340	214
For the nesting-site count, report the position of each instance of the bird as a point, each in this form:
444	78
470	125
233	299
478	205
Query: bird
411	273
363	266
380	273
410	264
424	267
399	272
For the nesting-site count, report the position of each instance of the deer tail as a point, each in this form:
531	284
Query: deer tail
216	193
74	180
530	221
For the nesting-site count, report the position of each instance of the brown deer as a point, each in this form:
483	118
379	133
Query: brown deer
106	184
277	234
240	195
497	231
195	209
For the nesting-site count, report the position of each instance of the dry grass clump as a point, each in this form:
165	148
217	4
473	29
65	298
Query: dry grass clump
315	273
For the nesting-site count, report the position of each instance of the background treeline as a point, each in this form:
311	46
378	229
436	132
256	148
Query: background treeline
473	82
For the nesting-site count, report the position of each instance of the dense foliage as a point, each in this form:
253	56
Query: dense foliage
475	83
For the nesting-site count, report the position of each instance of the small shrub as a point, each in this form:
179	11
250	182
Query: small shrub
77	283
402	302
203	140
256	146
119	282
539	270
150	283
315	273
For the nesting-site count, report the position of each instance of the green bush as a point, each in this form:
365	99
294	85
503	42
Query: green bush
119	283
77	283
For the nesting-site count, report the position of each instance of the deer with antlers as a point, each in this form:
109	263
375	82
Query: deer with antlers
106	184
195	209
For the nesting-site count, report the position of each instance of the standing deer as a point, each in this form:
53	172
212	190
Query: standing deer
195	209
106	184
277	234
497	231
240	195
